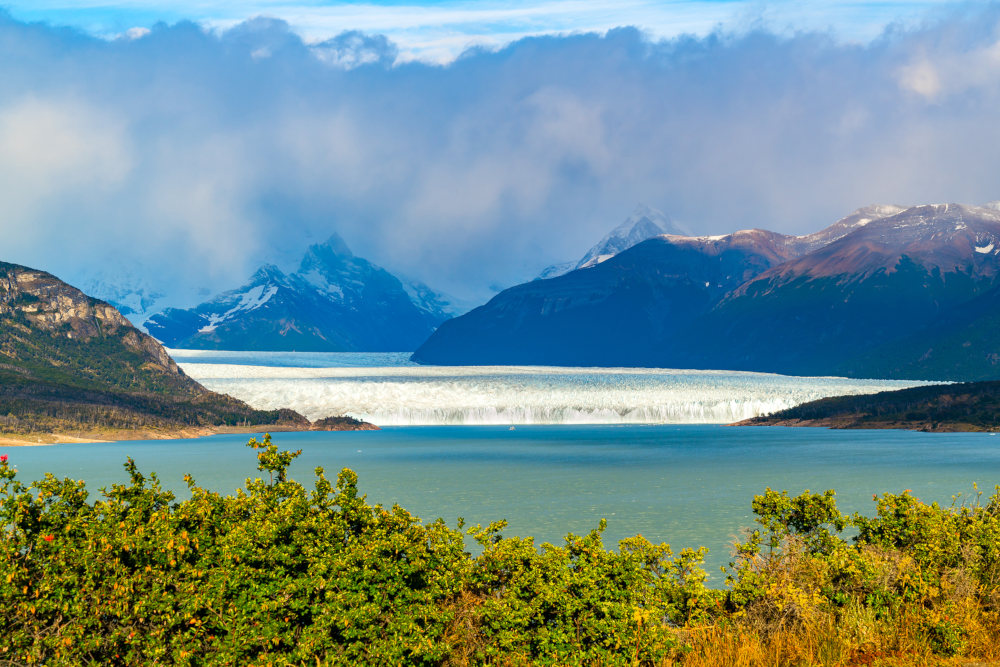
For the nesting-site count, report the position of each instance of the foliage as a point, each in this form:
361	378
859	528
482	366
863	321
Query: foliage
28	405
969	406
280	574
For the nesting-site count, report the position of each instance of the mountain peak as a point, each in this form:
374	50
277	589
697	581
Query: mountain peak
333	252
335	301
337	245
643	215
846	225
267	273
643	223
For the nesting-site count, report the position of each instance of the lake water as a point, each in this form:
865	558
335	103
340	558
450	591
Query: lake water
687	484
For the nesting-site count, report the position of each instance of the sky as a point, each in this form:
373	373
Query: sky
470	144
439	31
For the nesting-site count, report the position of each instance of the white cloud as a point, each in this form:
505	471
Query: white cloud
943	70
189	152
54	149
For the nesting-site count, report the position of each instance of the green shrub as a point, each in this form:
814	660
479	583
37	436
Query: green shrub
280	574
277	573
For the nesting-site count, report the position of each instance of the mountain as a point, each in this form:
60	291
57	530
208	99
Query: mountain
335	301
850	307
845	226
884	292
614	313
644	223
69	362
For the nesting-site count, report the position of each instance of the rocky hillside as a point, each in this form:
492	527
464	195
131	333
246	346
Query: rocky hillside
69	362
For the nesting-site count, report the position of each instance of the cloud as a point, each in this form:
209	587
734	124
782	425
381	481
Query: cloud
200	154
354	48
946	63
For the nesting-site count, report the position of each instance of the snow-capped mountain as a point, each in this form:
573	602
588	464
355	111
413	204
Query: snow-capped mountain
613	313
884	292
902	281
644	223
335	301
845	226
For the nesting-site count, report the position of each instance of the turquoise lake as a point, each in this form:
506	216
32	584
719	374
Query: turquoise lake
687	485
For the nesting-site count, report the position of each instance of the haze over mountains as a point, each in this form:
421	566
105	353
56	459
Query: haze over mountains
644	223
884	292
335	301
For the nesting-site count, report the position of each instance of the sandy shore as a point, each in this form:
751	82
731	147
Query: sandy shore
42	439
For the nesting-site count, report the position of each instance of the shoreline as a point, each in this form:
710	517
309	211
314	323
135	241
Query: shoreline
849	424
181	433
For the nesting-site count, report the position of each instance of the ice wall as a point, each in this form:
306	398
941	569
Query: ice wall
429	395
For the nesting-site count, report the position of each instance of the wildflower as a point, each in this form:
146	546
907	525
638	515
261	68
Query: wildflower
48	538
3	458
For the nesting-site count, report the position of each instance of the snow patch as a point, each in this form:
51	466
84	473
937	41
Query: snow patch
985	249
249	300
323	284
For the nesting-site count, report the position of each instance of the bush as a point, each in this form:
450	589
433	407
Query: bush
280	574
276	573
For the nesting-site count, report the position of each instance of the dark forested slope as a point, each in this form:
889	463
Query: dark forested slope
969	406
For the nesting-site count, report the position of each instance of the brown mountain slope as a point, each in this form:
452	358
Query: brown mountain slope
878	302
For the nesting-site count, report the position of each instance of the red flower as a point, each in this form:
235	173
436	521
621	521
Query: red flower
48	538
3	458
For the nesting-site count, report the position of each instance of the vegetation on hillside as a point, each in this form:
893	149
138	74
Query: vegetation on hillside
281	574
969	406
72	364
34	406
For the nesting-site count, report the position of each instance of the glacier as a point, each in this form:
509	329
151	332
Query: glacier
387	390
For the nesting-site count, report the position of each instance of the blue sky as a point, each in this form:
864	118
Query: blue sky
439	31
192	151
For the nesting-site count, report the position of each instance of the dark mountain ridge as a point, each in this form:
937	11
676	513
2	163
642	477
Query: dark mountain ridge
885	292
613	313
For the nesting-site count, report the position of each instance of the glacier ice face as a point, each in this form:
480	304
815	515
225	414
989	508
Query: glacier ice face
403	395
